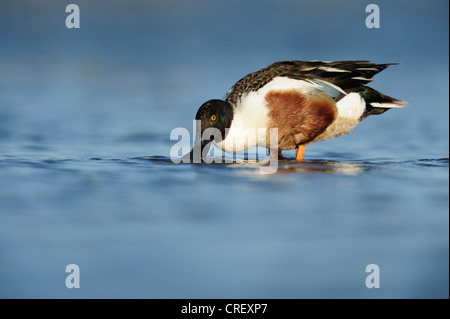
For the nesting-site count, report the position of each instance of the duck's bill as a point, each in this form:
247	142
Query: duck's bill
198	152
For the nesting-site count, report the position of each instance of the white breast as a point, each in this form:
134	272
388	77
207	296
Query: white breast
248	127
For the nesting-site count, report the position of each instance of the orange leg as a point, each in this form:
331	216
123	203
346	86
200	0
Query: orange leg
300	152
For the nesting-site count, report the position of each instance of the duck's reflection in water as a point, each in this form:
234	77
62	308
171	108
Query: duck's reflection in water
288	167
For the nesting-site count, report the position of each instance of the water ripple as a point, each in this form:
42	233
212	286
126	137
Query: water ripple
284	166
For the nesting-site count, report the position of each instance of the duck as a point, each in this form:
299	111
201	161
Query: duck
306	101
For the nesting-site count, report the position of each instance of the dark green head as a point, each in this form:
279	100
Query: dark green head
215	113
212	114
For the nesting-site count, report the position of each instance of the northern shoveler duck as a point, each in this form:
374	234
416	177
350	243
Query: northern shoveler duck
306	101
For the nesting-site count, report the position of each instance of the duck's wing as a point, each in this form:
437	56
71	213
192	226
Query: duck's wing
341	76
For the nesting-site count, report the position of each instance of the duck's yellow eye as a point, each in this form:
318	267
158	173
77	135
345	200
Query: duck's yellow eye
213	117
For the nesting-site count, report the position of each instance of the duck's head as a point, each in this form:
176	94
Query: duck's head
216	114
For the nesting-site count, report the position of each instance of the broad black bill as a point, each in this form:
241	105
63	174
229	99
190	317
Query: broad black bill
198	153
199	150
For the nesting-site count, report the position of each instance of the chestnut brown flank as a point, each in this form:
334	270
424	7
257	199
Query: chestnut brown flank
299	117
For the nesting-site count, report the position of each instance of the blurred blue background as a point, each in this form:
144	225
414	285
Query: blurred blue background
84	113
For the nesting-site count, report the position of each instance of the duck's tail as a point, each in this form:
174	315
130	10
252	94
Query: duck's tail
377	102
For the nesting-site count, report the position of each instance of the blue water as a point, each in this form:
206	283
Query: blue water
86	178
